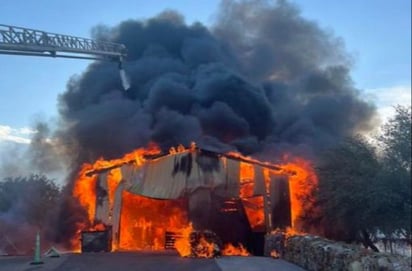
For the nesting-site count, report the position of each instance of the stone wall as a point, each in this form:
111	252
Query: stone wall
315	253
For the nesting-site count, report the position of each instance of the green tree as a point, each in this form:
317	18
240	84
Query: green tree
348	191
395	173
364	190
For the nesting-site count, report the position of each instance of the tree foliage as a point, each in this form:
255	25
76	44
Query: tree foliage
27	199
364	190
395	173
348	189
396	140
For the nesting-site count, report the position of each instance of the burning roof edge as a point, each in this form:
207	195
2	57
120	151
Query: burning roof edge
229	155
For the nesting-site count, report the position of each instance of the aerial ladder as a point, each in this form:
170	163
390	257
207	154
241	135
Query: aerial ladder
30	42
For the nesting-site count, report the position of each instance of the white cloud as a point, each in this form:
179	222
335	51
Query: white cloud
387	98
19	135
26	131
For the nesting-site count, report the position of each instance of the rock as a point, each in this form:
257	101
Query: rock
315	253
275	245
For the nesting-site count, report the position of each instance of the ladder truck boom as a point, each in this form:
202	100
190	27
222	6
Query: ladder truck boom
30	42
25	41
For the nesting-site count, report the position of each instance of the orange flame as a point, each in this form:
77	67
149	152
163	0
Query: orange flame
301	186
247	177
85	185
253	204
144	221
204	249
231	250
182	244
84	188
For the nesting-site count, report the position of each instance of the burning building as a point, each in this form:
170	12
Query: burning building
262	81
146	198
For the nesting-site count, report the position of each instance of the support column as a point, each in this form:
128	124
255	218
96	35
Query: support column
102	199
267	204
116	212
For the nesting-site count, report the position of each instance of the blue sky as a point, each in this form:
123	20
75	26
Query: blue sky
377	34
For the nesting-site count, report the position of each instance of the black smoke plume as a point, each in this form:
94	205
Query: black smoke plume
260	76
261	80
